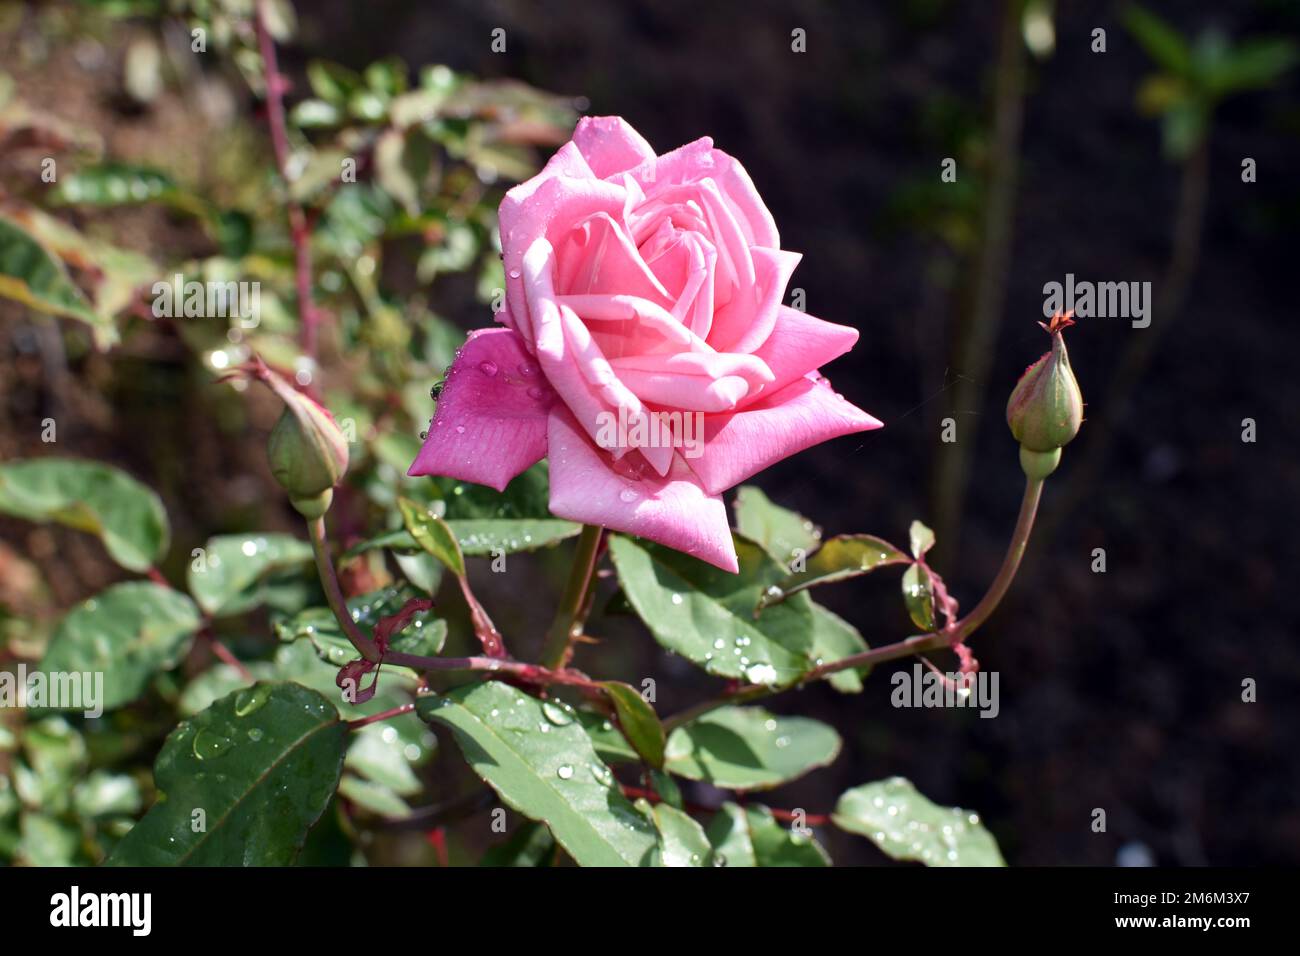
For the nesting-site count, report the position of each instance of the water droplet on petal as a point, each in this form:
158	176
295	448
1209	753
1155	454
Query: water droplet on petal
488	368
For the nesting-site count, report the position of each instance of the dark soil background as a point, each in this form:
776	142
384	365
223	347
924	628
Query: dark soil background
1119	690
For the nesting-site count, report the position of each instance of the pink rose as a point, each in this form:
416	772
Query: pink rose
647	353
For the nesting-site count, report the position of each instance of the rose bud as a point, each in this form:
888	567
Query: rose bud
1046	407
307	449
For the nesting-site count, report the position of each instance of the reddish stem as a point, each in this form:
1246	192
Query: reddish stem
382	715
299	232
225	655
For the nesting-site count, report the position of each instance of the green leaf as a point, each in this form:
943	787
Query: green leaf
527	496
114	273
748	748
610	743
728	834
480	537
91	497
1161	41
530	845
402	162
842	557
128	632
833	639
373	756
681	840
315	114
47	841
112	184
1252	65
537	757
30	274
775	845
907	826
103	794
918	595
226	578
332	82
261	764
707	615
638	720
432	534
920	538
784	534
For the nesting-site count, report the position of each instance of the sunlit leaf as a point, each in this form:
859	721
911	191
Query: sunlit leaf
907	826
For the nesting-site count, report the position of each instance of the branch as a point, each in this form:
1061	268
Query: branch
917	644
300	234
334	594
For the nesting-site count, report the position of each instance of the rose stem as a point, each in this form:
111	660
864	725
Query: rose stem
334	594
568	618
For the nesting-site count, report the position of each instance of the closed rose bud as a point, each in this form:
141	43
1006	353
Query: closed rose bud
1046	407
307	449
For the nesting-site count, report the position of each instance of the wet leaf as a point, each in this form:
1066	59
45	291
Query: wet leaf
543	765
256	769
907	826
91	497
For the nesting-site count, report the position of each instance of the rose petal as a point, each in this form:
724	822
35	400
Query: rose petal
699	160
532	211
610	145
672	510
800	343
798	416
491	417
597	257
748	319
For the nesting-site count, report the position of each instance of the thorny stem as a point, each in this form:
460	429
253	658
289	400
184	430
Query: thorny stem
299	232
912	645
568	618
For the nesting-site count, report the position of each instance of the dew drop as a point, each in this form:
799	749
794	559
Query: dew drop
209	744
677	599
556	714
627	495
251	699
565	772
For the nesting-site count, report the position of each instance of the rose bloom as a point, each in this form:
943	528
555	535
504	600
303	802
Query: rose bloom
646	351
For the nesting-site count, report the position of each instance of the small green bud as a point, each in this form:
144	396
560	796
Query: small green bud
307	449
1046	407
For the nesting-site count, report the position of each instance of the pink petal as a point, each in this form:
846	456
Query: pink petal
699	160
546	210
798	416
610	145
749	318
491	417
674	510
571	358
800	343
597	257
696	381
